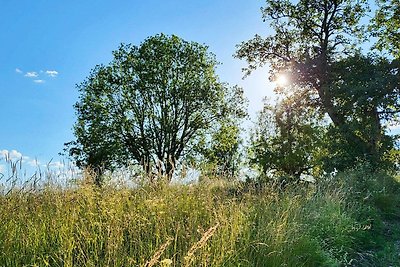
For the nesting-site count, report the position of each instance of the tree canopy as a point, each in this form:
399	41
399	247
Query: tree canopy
149	105
315	43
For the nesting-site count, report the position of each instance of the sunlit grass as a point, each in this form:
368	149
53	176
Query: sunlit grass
213	223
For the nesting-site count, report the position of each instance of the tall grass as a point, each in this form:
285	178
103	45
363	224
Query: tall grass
341	222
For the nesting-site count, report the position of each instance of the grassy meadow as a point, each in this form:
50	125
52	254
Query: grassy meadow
351	219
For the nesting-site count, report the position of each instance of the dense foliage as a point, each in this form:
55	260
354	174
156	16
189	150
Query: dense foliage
288	139
316	44
150	105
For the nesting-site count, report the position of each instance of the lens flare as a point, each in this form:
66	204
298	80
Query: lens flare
282	80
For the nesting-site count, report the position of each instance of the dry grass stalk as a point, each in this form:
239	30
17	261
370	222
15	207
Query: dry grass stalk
158	253
199	244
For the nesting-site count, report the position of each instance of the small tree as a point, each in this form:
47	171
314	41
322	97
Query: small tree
148	105
221	153
287	139
220	149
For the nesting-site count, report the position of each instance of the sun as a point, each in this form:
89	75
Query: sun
282	80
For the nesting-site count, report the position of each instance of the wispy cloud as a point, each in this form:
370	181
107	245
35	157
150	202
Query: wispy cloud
31	74
32	162
38	76
12	154
32	166
52	73
56	165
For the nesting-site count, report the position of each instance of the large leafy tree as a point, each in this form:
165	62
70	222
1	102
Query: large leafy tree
366	92
308	36
311	42
148	106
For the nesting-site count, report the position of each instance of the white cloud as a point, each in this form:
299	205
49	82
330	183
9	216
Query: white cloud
30	165
35	74
3	153
31	74
13	154
52	73
33	162
56	164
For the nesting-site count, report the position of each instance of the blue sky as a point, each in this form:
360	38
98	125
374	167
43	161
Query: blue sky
49	46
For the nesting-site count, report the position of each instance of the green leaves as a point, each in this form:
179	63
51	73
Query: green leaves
386	27
365	90
315	42
148	105
305	30
287	138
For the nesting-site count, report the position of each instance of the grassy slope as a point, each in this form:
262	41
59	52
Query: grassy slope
351	220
